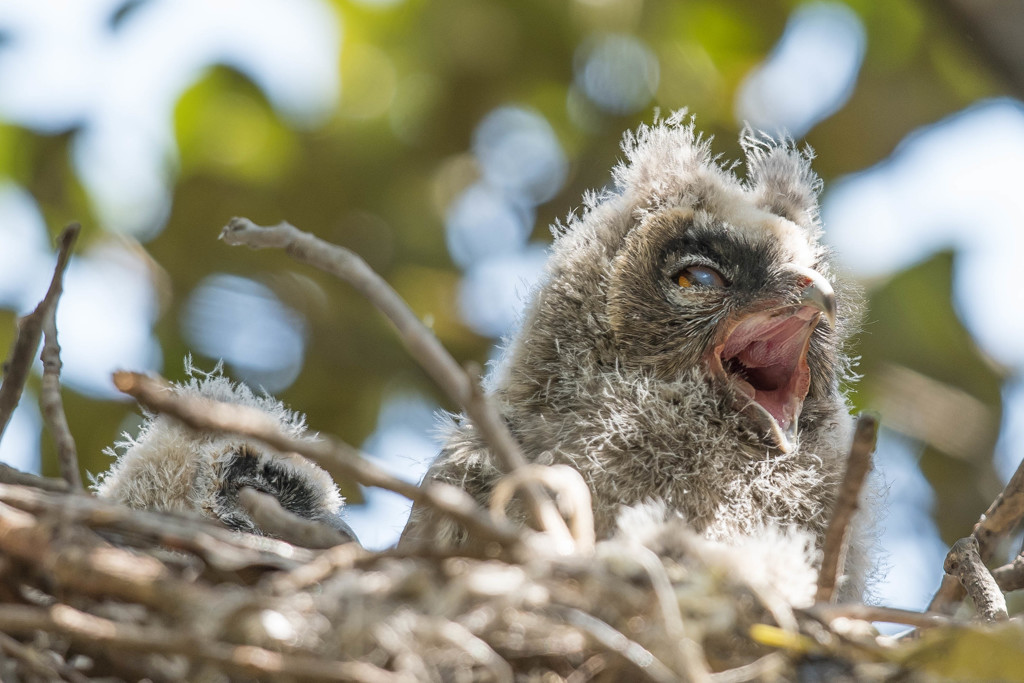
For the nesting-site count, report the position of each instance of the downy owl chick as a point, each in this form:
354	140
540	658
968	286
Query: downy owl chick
686	345
170	467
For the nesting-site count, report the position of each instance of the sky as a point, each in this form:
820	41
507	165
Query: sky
949	185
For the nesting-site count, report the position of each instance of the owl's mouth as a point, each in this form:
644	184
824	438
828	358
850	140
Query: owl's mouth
764	359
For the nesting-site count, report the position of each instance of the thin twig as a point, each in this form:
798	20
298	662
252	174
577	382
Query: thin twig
1010	577
1001	517
768	667
645	664
50	401
274	520
11	475
35	661
889	615
418	340
857	468
220	548
339	459
30	331
246	659
964	562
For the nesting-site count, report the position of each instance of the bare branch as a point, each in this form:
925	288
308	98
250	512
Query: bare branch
964	562
83	627
889	615
418	340
275	521
645	665
30	331
1010	577
39	664
11	475
857	467
339	459
220	548
50	401
1002	516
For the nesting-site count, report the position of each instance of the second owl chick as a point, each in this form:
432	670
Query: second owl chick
170	467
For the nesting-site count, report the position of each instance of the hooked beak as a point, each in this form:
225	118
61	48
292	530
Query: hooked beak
816	292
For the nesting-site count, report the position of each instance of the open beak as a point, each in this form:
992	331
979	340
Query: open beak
763	358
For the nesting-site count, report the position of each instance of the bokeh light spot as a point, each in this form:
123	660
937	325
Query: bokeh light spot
519	153
618	73
245	324
483	222
809	75
493	292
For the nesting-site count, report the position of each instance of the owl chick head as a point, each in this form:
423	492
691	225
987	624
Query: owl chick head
687	269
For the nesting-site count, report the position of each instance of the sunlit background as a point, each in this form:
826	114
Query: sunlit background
439	140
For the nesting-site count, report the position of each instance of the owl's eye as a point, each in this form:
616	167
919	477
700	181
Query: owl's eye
700	276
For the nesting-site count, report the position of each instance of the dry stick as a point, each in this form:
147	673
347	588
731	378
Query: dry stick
246	659
1010	577
339	459
857	467
93	569
418	340
35	661
30	331
646	665
220	548
11	475
275	521
1000	519
889	615
964	562
49	394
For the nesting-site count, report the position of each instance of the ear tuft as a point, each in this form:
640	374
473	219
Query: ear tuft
780	177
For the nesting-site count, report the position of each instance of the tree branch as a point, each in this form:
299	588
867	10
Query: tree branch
418	340
274	520
83	627
1001	517
857	467
30	331
964	562
50	400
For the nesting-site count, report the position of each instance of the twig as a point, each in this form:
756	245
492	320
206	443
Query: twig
220	548
1001	517
11	475
964	562
418	340
246	659
30	331
93	568
645	664
275	521
857	468
1010	577
50	401
35	661
889	615
339	459
768	667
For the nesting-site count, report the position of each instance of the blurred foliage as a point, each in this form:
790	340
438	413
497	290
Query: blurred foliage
417	77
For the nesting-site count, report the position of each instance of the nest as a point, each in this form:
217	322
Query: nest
93	590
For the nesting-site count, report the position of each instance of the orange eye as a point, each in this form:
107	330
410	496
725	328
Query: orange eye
700	276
